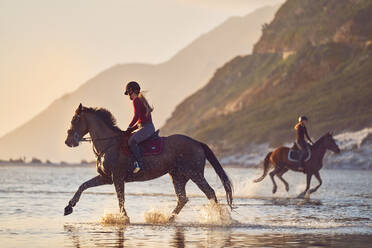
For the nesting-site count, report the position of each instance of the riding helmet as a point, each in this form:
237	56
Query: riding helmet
302	118
134	86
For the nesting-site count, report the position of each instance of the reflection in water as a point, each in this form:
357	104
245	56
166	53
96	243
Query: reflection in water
120	237
143	235
178	238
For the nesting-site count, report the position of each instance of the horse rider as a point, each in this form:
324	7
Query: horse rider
142	122
301	132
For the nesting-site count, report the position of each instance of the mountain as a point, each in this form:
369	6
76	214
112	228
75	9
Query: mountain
168	83
313	59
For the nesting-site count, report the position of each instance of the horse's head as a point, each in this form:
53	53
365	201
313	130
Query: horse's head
78	128
330	143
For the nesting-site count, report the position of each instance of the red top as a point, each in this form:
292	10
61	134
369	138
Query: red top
140	116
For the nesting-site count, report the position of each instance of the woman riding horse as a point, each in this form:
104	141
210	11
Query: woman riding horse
280	160
301	132
142	122
182	157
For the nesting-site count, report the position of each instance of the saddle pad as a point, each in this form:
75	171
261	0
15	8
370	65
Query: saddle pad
148	147
294	155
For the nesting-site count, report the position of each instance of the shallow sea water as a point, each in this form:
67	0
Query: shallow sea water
32	199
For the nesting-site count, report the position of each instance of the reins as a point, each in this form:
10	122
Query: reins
90	139
95	151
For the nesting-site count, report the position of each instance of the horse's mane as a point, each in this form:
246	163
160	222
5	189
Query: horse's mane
105	116
319	141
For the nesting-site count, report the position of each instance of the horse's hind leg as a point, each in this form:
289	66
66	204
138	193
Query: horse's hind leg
280	176
179	183
272	174
205	187
95	181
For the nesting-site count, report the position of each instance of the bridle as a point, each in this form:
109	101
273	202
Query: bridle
78	138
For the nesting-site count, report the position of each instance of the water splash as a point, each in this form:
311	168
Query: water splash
215	214
247	188
114	219
157	216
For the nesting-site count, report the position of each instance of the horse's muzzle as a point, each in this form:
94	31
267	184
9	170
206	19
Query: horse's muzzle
71	143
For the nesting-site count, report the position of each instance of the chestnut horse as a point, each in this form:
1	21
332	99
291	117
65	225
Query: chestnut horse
279	158
183	158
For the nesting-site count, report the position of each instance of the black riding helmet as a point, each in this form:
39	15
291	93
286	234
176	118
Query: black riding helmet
302	118
134	86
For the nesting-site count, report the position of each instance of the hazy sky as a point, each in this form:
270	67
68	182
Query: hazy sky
50	47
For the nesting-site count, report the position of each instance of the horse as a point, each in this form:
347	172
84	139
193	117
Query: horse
183	158
279	159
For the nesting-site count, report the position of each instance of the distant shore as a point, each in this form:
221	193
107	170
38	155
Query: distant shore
7	163
93	164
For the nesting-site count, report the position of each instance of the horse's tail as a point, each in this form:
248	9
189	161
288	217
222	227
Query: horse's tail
266	168
220	172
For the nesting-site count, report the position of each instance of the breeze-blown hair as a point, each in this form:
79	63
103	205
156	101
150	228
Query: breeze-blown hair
297	125
149	108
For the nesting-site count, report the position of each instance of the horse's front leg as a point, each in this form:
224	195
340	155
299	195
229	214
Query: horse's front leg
317	176
95	181
308	181
119	187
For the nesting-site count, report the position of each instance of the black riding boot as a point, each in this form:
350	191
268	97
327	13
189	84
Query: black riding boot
137	156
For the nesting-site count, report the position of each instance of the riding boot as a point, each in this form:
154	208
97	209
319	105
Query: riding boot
302	164
137	156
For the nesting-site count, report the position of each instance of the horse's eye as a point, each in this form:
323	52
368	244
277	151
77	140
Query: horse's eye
74	120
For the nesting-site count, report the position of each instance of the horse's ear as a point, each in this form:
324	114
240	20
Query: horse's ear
79	109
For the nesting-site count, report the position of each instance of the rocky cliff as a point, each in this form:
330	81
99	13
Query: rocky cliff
314	58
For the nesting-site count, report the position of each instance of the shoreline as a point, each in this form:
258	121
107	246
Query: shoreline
62	165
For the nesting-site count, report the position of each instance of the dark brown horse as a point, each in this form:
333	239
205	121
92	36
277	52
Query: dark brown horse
182	158
279	158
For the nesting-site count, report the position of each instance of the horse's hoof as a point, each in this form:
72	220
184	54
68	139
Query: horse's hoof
301	196
68	210
172	218
125	219
274	190
287	189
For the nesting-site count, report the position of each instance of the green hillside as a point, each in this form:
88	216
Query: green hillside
257	98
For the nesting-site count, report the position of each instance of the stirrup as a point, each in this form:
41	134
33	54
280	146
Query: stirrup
137	167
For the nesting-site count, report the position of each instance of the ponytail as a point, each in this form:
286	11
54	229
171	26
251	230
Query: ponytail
297	125
149	108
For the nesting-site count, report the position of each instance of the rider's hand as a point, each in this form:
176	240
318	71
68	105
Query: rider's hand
128	131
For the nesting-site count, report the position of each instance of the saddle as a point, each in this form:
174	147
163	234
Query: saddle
151	146
294	153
